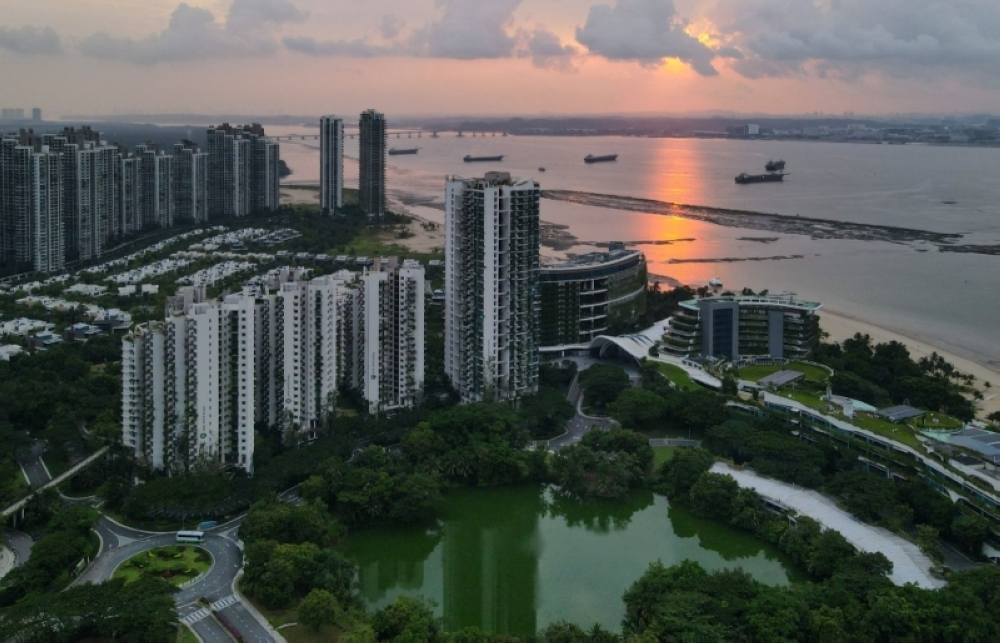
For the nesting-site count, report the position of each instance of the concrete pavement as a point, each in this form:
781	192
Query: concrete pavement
35	472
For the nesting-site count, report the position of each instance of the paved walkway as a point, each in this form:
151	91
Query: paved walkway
909	564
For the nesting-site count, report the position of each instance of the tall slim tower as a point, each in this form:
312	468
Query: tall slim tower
156	175
331	159
372	163
491	286
190	182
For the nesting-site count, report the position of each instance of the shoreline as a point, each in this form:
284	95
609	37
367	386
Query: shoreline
843	326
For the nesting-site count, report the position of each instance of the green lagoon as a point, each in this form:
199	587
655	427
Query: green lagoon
515	560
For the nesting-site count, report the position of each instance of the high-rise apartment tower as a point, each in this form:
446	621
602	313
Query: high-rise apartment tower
372	163
491	286
331	159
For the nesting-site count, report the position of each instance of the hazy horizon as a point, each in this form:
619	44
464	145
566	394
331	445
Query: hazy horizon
501	58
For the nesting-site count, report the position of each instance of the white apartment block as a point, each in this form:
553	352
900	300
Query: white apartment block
308	350
383	328
156	180
331	155
190	183
491	286
129	193
45	209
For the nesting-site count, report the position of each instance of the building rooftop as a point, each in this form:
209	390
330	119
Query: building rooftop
781	378
899	413
985	442
784	301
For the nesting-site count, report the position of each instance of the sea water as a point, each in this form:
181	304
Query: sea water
948	299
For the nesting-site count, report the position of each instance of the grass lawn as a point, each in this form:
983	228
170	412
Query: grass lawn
678	376
176	564
898	432
756	373
661	455
185	635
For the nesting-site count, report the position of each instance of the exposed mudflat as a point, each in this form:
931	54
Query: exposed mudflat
775	223
734	259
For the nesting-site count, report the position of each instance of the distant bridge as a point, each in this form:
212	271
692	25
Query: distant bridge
396	134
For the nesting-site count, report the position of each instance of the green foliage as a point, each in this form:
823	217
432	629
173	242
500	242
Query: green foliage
142	612
557	376
545	413
969	532
408	620
712	496
308	522
606	464
603	383
638	409
198	495
319	609
885	373
681	472
278	573
65	543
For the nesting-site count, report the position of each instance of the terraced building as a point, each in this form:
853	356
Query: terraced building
594	294
731	327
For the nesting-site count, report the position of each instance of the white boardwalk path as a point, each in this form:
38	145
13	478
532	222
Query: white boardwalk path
909	564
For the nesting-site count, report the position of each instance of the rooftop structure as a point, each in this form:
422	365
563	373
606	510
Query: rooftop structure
781	378
899	413
984	442
731	327
591	295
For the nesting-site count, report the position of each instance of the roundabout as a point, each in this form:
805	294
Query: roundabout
176	564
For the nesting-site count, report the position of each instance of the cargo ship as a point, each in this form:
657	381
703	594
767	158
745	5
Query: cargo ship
590	158
395	152
475	159
775	166
745	178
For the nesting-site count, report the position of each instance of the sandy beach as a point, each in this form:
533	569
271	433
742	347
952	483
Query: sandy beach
842	327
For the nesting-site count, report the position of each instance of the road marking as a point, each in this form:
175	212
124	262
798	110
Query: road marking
194	617
223	603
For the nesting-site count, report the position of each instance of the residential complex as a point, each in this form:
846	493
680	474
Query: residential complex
242	171
591	295
106	192
371	167
198	384
31	205
383	355
733	327
331	164
190	183
491	286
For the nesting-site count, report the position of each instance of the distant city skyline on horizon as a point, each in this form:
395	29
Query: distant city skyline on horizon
572	57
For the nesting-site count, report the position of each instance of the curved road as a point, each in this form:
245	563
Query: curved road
119	543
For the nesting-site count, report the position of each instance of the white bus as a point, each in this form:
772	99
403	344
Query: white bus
190	536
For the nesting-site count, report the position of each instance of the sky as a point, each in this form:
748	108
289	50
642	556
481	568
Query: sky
500	57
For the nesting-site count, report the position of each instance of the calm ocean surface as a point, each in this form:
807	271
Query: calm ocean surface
948	299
